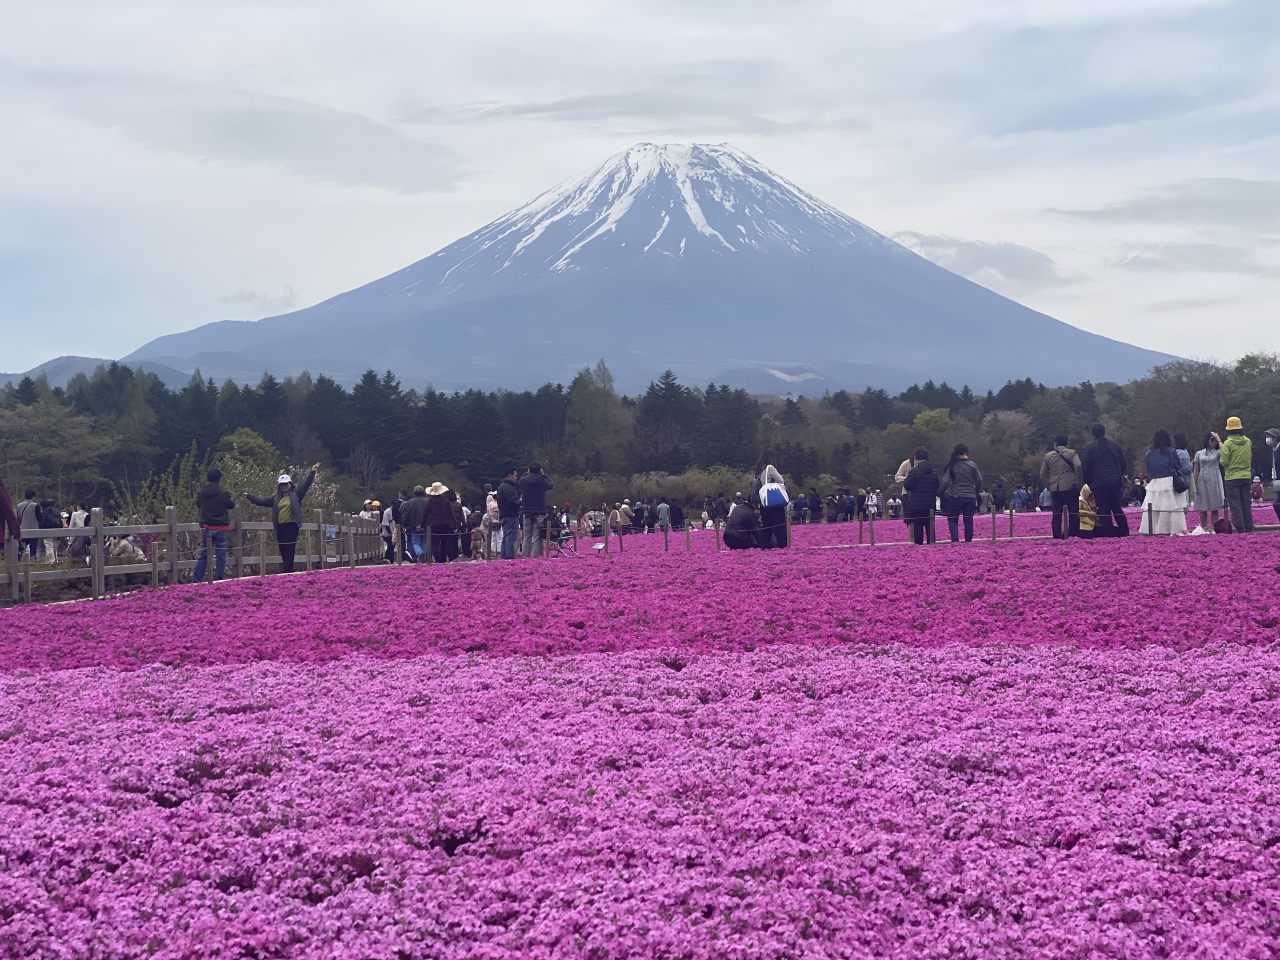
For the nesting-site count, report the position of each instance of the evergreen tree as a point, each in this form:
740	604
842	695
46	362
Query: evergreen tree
877	408
27	391
792	415
233	409
843	403
326	412
727	428
666	419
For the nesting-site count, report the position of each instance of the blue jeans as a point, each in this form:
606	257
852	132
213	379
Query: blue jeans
955	507
510	534
417	546
221	540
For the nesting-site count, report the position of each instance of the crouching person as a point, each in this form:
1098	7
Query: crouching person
742	529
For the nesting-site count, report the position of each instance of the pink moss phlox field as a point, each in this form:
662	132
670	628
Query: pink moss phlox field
1101	594
792	802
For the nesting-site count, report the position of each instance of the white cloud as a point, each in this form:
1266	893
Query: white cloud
156	166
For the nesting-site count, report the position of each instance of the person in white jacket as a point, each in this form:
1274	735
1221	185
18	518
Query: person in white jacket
773	515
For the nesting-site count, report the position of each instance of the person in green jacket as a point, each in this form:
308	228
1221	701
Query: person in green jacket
1237	469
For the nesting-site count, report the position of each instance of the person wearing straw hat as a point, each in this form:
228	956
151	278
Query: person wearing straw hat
1237	470
286	512
442	523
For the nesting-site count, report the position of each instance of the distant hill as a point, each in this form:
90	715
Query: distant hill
61	369
696	258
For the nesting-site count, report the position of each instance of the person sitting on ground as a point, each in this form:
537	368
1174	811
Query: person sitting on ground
1088	510
286	512
742	528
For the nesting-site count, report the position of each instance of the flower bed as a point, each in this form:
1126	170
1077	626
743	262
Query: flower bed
1032	748
966	802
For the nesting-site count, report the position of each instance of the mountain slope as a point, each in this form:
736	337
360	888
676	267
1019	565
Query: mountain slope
694	257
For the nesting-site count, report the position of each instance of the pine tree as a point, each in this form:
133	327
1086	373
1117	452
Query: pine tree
27	391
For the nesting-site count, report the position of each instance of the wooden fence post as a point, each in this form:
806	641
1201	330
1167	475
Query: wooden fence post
351	540
155	564
26	578
688	544
171	542
322	548
606	533
716	525
859	531
1011	523
1066	522
546	544
98	544
931	535
787	517
11	550
308	550
993	523
871	529
262	554
665	529
1151	516
237	545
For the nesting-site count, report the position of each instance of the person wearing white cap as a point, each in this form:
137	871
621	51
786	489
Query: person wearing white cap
286	512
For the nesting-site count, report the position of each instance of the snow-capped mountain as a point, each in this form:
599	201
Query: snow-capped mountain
694	257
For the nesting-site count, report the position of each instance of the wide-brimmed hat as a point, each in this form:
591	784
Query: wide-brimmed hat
285	478
437	489
1233	423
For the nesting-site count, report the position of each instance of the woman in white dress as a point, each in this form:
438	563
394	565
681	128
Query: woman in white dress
1164	509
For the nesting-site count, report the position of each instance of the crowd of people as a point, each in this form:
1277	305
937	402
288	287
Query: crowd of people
1085	492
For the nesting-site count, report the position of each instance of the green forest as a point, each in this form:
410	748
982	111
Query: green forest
122	440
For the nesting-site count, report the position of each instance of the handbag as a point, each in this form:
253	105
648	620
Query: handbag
1180	484
773	495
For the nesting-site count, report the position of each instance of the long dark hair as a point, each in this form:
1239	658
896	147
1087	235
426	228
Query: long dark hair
1180	440
1160	440
960	451
766	458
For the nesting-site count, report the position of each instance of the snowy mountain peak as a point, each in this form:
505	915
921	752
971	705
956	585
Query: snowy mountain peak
652	201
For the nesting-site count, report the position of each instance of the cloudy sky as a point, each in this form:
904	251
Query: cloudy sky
1114	163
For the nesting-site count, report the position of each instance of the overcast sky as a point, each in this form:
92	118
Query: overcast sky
1114	163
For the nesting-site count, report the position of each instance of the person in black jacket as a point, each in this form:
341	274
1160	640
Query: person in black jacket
720	509
815	506
677	514
1102	467
286	512
215	505
413	520
508	498
742	528
922	495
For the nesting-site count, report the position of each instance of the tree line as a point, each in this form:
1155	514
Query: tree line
104	437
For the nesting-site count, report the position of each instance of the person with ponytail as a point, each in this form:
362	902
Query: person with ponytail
961	484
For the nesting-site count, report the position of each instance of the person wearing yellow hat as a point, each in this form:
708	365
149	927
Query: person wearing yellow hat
1237	470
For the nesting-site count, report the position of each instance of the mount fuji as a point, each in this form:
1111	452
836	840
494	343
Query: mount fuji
692	257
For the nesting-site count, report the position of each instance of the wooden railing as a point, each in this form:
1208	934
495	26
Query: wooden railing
345	541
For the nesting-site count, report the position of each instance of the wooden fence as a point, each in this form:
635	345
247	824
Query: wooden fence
346	540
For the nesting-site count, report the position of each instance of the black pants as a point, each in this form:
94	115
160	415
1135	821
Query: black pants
287	538
920	528
1109	498
444	543
390	555
773	523
740	541
1071	500
1240	503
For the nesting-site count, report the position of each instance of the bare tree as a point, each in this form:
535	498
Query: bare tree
366	467
1183	395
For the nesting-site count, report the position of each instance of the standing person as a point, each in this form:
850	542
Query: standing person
771	490
78	547
677	516
1184	468
1060	474
413	518
462	541
742	528
961	481
50	520
442	524
1273	441
1045	500
286	512
998	499
720	509
815	506
366	512
9	515
1102	467
1206	484
664	514
397	507
508	497
29	520
921	485
1162	510
215	505
1237	469
387	524
533	488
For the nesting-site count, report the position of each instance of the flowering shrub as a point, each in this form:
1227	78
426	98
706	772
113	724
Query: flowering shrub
966	802
1115	593
1029	749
